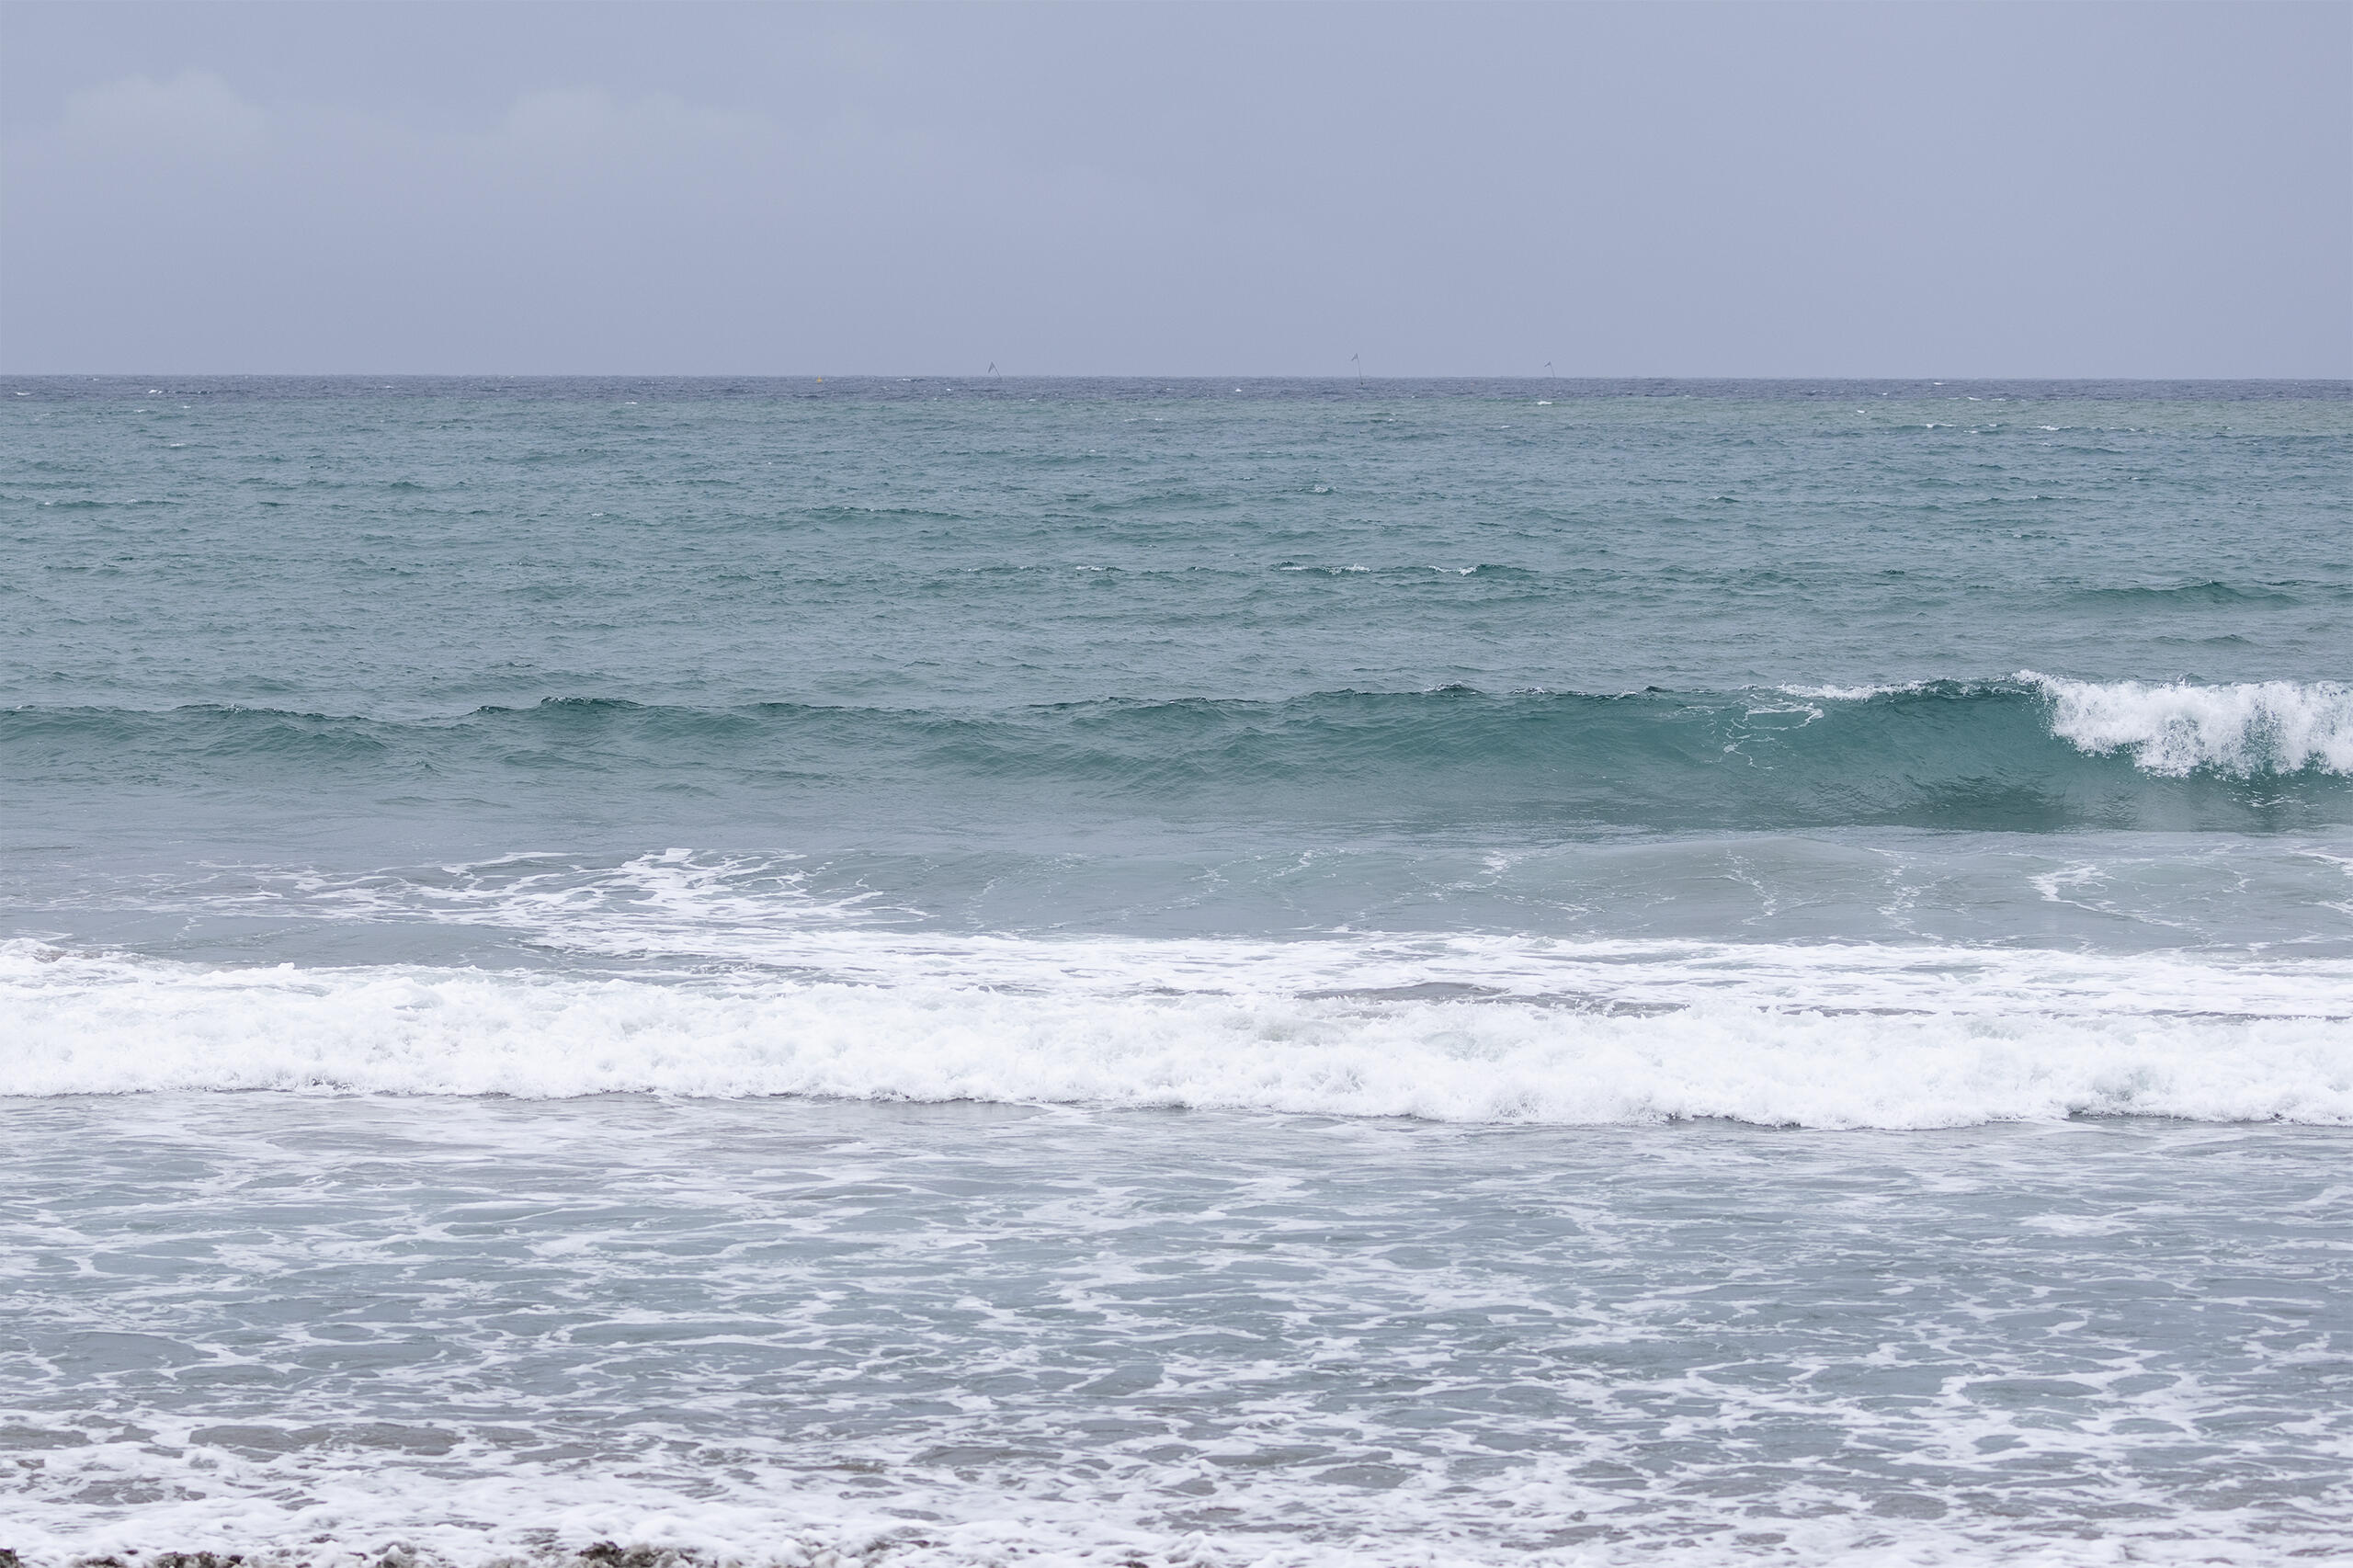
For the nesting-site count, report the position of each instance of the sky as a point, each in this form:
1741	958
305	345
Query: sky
1670	189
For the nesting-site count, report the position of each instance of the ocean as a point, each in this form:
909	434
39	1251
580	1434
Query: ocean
954	972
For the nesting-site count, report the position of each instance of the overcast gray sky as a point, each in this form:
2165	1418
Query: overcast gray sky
2143	189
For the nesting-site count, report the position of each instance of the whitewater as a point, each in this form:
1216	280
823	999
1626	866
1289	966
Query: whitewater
1132	971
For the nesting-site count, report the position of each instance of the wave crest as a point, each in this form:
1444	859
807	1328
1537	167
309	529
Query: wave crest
2243	729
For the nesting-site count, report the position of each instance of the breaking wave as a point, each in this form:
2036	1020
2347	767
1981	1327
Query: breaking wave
1459	1030
2247	729
2034	752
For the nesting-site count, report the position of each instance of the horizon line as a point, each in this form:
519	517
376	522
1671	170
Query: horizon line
985	376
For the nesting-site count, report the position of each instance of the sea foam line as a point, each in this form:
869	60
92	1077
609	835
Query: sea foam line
107	1027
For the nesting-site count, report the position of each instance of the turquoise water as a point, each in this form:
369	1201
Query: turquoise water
1577	809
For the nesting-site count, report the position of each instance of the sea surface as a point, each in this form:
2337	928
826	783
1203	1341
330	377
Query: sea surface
1192	973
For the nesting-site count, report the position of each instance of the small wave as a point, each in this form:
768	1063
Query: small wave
2031	754
2209	592
2175	729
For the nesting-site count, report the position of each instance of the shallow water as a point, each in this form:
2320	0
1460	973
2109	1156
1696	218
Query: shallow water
477	1324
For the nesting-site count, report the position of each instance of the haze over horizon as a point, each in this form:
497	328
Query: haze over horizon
1616	190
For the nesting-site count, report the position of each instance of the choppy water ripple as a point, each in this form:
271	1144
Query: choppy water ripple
430	547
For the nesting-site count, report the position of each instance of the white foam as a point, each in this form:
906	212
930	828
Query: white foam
2244	727
688	912
1850	693
362	1516
1780	1036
